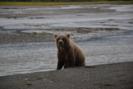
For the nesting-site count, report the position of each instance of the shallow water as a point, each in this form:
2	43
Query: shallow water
100	47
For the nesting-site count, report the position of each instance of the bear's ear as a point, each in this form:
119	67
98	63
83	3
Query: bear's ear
68	35
55	35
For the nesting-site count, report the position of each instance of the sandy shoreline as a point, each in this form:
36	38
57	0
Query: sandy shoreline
109	76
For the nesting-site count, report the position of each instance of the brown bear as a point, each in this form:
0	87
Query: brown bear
69	54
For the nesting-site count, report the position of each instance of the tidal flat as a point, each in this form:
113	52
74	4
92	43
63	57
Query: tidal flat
103	31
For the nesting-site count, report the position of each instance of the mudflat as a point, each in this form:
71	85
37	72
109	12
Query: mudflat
103	31
107	76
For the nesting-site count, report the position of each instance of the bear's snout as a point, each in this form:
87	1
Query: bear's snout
61	43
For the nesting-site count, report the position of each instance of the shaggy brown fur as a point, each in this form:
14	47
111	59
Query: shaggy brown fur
69	54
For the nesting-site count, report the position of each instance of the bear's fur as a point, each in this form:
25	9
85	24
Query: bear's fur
69	54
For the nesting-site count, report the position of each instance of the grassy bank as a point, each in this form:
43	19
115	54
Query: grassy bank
36	3
60	3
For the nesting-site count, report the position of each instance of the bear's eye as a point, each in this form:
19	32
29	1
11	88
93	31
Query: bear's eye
64	39
58	39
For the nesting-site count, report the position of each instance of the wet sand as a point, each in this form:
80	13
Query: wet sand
27	35
6	38
109	76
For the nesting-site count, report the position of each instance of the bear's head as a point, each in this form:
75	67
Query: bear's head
62	41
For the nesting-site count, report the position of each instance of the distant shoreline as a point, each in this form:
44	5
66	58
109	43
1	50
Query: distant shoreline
61	3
